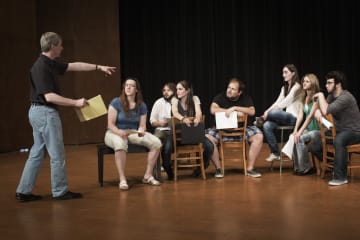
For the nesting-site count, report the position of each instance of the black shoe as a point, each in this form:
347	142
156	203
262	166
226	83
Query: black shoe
196	173
306	172
27	197
68	195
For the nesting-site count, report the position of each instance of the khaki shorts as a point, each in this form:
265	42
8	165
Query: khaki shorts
118	143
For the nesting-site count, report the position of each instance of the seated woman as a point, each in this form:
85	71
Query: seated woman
186	107
288	99
127	123
308	135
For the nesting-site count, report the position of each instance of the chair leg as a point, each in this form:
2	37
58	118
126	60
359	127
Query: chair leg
100	165
175	168
244	160
222	160
281	145
202	165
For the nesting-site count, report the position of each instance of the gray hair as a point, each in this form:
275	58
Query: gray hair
48	39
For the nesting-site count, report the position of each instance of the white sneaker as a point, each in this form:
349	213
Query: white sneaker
272	157
336	182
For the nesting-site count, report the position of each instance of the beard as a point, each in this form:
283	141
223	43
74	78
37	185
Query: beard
233	98
168	98
331	91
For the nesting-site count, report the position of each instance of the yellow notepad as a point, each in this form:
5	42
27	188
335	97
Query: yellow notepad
94	109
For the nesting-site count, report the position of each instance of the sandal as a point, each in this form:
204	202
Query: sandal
123	185
151	181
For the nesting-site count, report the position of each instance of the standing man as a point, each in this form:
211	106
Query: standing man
234	99
345	110
160	119
45	96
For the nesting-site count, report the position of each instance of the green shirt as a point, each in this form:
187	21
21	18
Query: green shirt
313	125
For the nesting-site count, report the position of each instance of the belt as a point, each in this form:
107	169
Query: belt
37	104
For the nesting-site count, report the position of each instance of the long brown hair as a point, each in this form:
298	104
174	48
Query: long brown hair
138	97
189	101
294	79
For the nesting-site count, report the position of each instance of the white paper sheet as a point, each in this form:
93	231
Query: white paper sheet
223	122
326	123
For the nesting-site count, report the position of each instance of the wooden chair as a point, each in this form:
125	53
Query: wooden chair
328	150
186	156
235	145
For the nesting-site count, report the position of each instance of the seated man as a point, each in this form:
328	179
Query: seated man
345	110
160	119
234	99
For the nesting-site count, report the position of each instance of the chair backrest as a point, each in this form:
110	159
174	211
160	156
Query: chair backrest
186	155
327	140
193	134
235	139
235	134
177	126
327	137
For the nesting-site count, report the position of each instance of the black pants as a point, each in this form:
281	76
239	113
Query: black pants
168	148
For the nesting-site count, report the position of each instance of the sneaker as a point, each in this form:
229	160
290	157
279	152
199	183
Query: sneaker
253	173
68	195
27	197
219	173
272	157
337	182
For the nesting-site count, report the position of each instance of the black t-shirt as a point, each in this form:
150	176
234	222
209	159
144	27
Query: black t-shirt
243	101
43	79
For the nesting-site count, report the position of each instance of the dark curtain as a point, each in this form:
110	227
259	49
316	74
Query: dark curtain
205	41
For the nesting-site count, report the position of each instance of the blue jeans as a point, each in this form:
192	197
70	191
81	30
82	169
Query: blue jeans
47	133
343	139
166	151
275	118
308	140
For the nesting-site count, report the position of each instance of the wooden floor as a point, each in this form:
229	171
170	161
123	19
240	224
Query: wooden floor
236	207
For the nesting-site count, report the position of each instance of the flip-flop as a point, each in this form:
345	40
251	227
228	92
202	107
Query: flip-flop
151	181
123	185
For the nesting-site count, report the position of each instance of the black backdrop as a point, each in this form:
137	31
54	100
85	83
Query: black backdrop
204	41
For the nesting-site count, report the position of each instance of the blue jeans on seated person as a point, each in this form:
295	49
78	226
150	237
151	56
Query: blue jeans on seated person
343	139
275	118
309	140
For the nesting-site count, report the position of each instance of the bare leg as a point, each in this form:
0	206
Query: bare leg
215	155
151	160
120	161
256	142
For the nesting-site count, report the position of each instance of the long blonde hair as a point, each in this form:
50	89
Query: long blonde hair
315	86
